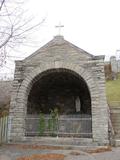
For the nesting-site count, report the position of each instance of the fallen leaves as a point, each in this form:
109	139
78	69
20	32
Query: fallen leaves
43	157
35	147
75	153
100	150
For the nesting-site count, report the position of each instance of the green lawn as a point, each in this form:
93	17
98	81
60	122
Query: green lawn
113	92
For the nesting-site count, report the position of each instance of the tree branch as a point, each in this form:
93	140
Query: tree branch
7	39
3	1
15	27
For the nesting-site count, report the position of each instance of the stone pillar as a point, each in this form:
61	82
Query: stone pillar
16	113
99	106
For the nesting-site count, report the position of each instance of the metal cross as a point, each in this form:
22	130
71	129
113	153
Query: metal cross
59	27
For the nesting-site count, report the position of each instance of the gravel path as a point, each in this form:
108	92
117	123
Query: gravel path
8	152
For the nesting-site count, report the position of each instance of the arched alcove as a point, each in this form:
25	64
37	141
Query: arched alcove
66	91
62	89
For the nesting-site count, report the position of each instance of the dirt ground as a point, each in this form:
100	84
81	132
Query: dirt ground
34	152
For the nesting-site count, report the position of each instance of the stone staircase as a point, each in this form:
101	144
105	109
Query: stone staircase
115	118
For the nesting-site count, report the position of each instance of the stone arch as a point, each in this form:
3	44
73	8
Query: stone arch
27	84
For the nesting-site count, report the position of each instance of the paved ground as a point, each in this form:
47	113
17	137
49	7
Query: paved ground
8	152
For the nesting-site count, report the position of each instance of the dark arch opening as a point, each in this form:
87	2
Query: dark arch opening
62	89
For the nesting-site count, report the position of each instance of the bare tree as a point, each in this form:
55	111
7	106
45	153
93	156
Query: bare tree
15	26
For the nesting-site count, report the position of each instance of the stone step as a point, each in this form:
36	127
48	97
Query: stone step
115	118
60	141
116	125
117	142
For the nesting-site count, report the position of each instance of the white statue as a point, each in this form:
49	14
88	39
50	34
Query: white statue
78	104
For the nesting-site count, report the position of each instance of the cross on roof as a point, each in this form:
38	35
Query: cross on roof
59	27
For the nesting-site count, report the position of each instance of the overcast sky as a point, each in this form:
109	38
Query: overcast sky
93	25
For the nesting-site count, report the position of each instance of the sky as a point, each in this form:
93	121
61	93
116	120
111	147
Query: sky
93	25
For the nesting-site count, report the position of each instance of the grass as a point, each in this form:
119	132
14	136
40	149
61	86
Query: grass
113	92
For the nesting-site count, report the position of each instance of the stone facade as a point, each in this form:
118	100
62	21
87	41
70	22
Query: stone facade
59	55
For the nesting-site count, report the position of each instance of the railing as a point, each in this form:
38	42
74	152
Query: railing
3	129
65	126
110	126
